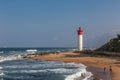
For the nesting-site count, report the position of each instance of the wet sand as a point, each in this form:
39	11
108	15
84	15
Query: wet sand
100	73
95	64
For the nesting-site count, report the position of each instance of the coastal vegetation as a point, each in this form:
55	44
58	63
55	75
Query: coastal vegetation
112	45
109	49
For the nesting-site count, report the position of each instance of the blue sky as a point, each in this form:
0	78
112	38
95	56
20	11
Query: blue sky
53	23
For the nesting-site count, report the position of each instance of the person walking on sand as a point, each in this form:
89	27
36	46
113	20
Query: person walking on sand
110	72
104	69
110	68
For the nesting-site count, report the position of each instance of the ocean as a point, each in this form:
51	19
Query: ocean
14	67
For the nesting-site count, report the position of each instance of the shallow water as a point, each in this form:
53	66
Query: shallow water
14	67
41	70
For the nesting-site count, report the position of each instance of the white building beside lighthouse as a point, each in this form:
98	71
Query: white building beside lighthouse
80	39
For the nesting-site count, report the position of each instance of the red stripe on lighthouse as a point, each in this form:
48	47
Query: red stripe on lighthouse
80	31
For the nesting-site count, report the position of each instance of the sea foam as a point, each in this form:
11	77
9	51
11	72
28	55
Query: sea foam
31	50
82	74
11	57
2	74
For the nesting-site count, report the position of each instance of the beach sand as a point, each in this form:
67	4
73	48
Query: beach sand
95	64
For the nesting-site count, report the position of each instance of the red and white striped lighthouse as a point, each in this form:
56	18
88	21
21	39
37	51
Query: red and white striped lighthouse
80	39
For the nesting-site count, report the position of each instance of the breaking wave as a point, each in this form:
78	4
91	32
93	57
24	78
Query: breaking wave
14	67
31	50
80	75
9	58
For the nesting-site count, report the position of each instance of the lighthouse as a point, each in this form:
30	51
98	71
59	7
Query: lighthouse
80	39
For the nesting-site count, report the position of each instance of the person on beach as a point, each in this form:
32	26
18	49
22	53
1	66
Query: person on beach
83	75
110	68
104	69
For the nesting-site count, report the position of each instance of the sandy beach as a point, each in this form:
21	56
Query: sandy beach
95	64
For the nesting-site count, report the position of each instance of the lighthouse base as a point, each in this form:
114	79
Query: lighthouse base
78	51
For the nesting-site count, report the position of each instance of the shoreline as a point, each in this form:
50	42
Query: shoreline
95	64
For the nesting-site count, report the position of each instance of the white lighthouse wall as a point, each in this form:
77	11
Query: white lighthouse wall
80	42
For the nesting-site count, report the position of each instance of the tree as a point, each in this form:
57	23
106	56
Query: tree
118	36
